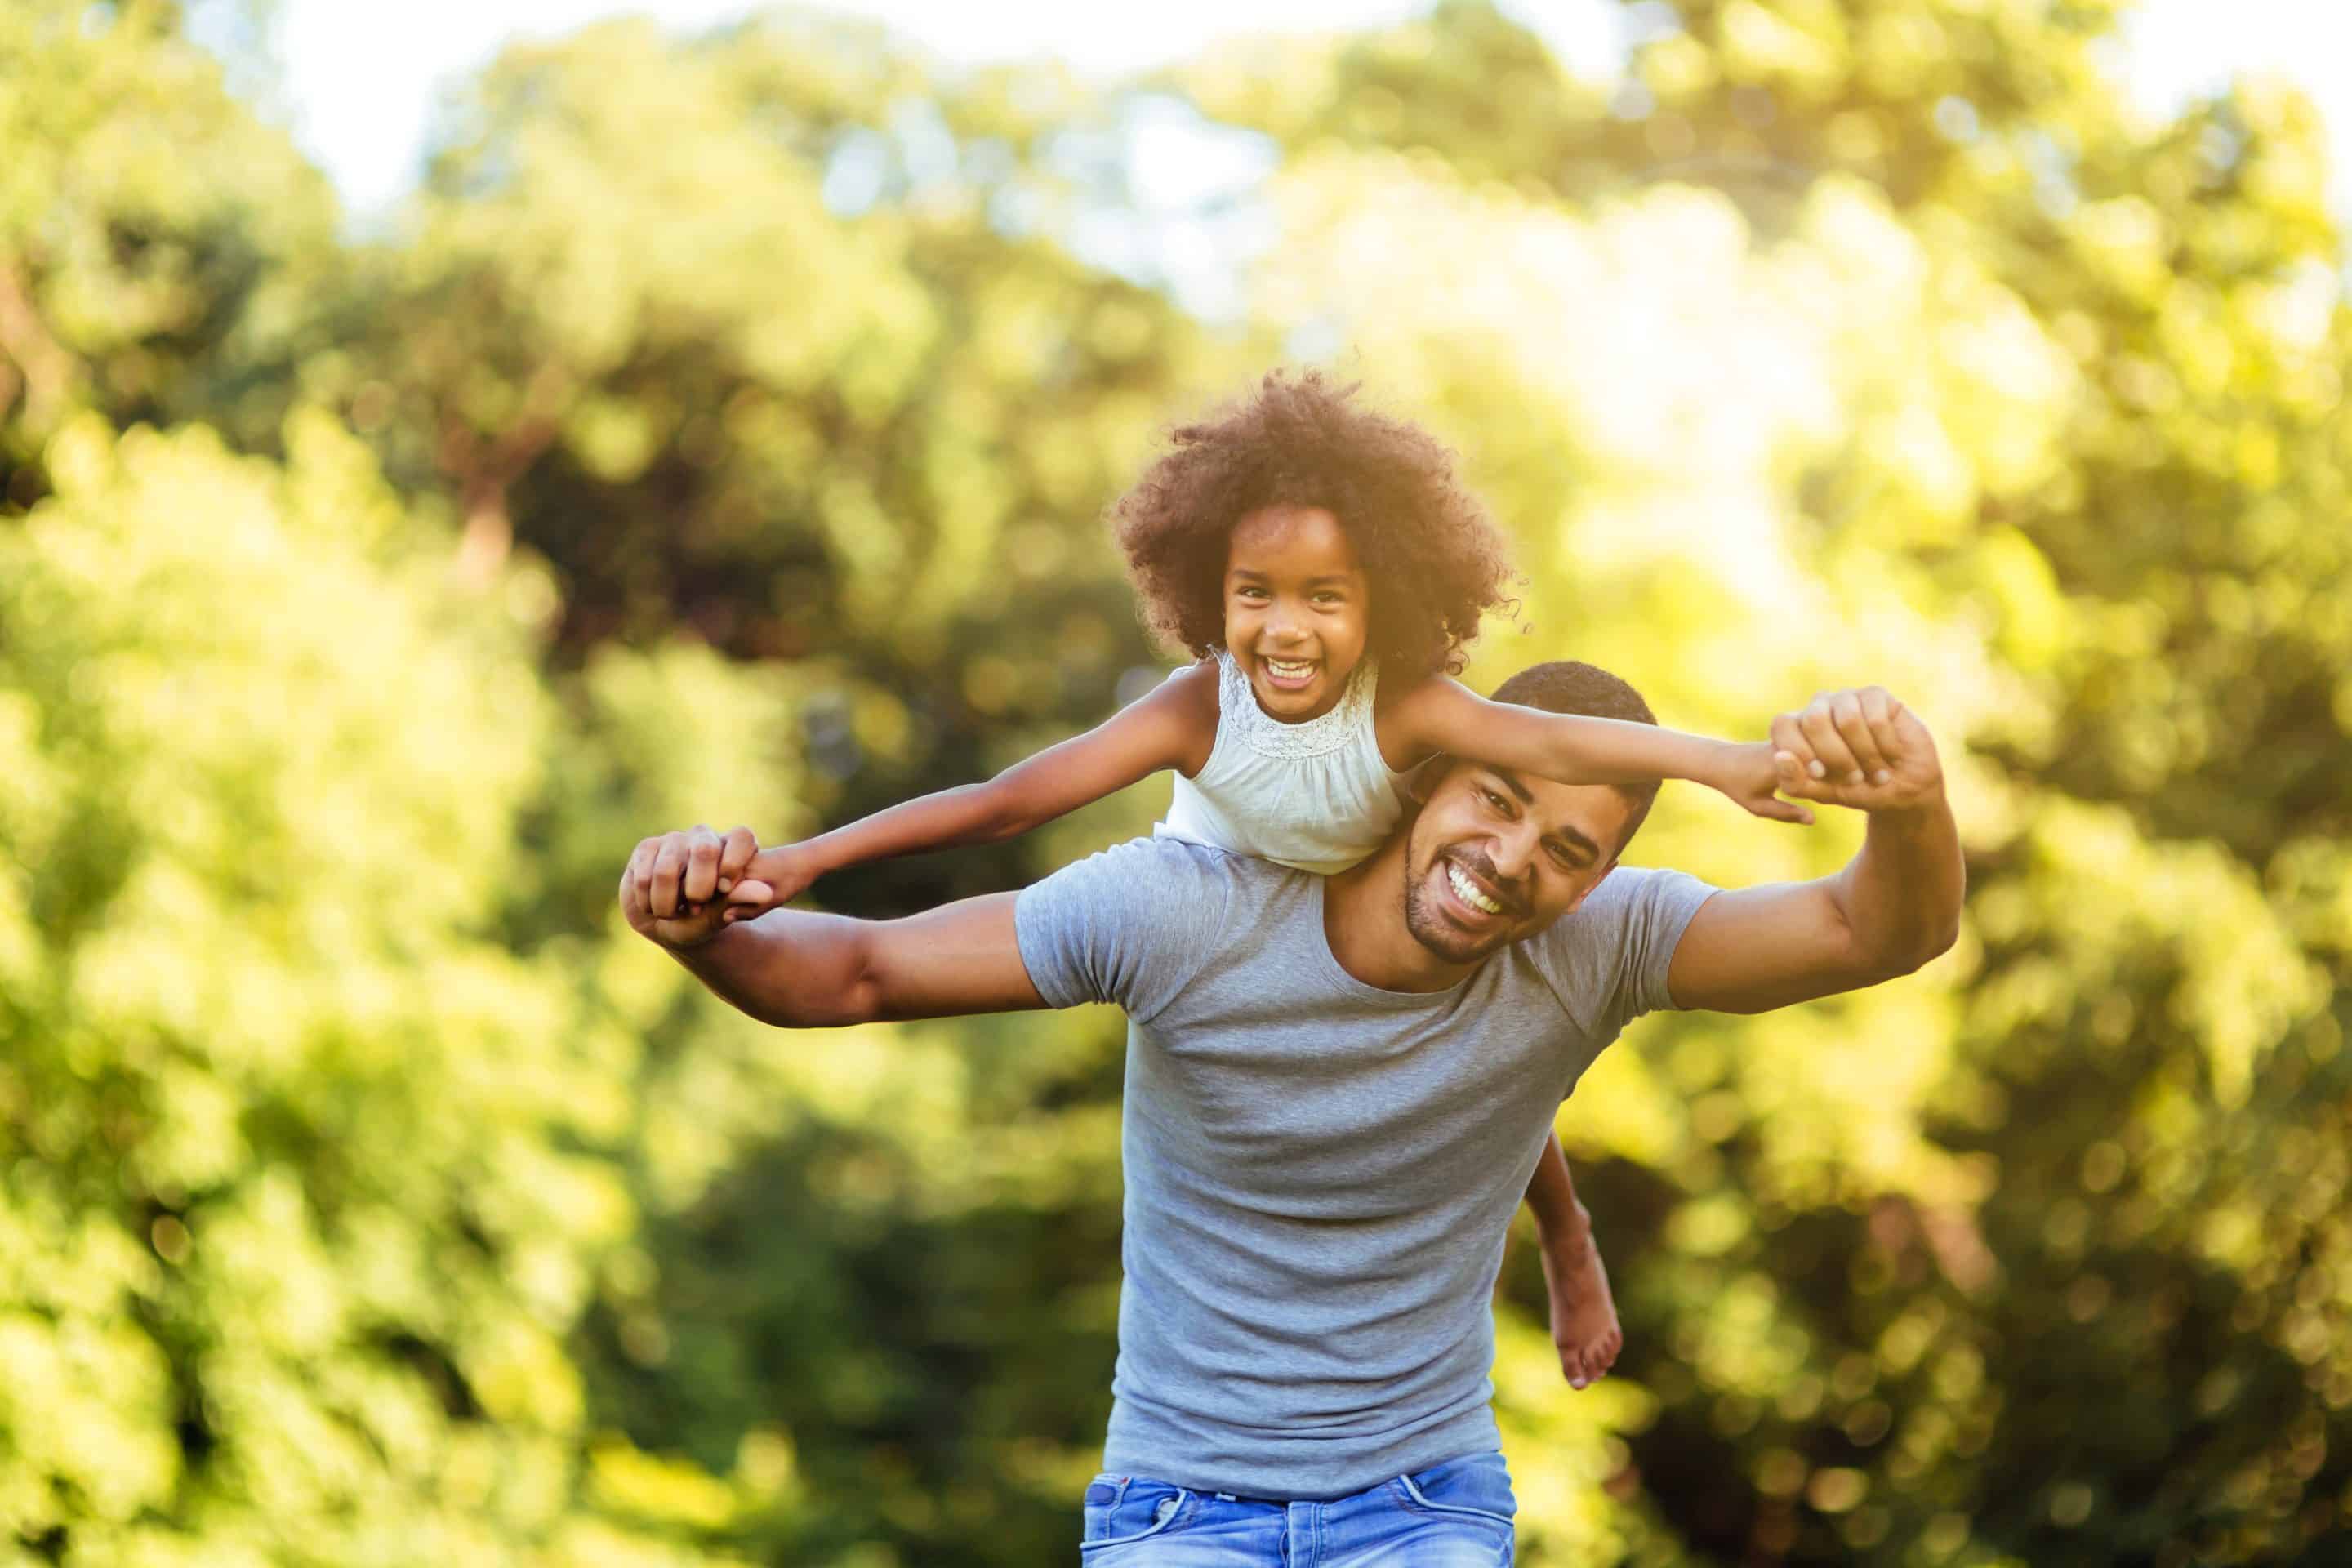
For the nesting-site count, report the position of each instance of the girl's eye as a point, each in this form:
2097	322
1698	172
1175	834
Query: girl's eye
1329	599
1250	593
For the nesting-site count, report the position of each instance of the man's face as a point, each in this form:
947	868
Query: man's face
1496	856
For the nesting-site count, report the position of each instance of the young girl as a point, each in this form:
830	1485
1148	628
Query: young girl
1327	569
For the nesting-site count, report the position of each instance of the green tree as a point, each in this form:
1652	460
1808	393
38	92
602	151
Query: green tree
159	246
805	373
308	1177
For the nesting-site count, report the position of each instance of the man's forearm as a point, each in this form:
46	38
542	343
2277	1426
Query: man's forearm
791	968
803	971
1901	894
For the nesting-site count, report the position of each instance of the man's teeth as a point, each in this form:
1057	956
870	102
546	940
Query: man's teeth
1467	891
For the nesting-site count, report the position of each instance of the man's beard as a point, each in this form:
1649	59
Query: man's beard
1431	929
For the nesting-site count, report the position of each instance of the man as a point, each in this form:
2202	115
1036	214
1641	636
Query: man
1337	1090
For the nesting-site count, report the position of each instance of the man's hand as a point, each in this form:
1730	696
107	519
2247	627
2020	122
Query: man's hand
668	890
1894	906
1859	748
1750	774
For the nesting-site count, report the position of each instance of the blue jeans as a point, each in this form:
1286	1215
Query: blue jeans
1453	1515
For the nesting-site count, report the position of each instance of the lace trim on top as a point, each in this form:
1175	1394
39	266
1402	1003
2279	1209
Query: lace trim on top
1239	715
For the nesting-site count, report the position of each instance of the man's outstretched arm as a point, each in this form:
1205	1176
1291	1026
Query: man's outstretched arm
799	970
1894	906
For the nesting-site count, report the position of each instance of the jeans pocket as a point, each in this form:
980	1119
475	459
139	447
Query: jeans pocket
1477	1486
1120	1509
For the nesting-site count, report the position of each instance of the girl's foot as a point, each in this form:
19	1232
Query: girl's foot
1584	1314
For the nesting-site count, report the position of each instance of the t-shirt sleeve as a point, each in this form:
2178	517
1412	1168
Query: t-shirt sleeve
1132	925
1609	960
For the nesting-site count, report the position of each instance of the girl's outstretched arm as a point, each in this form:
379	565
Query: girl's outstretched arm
1442	717
1172	726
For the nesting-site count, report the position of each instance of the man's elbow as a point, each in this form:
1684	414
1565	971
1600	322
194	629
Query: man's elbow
1893	963
1874	951
820	990
859	1001
1946	937
1942	935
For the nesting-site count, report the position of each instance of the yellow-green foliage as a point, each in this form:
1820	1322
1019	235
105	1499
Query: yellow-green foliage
301	1199
158	241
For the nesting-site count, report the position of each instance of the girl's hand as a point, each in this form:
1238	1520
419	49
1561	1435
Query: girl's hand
1748	774
1584	1326
1858	748
773	876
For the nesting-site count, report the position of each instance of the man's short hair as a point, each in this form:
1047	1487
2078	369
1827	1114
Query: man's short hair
1573	686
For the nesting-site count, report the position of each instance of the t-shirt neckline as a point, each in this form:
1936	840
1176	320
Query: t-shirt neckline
1364	991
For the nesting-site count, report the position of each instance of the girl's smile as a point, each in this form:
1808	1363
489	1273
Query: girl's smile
1291	674
1297	609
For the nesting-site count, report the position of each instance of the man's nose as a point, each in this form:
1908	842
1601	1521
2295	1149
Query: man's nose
1514	851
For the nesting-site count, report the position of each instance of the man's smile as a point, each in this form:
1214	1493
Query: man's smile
1476	899
1467	890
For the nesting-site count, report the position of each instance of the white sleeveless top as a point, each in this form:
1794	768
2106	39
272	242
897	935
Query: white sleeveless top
1316	796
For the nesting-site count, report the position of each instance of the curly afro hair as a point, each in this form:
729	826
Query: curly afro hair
1434	561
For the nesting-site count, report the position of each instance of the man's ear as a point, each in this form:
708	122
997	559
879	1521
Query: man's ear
1422	780
1593	887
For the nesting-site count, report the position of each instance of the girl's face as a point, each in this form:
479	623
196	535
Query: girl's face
1297	609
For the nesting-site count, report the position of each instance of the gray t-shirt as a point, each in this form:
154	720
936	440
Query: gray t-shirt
1319	1172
